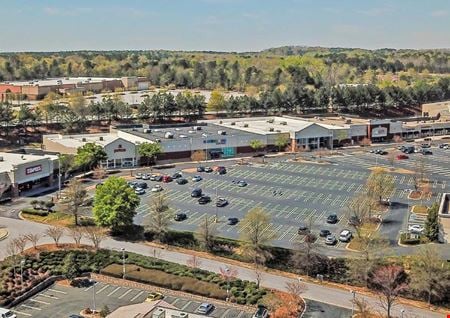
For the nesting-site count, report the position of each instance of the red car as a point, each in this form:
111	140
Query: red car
166	179
402	157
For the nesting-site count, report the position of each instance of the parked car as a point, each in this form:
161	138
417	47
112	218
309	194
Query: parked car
221	170
233	221
205	308
177	175
157	188
139	191
166	179
416	229
303	229
146	176
425	146
138	175
324	233
180	217
197	178
204	199
330	240
241	183
196	193
443	146
402	157
208	169
153	177
332	218
132	184
221	202
6	313
182	181
153	296
142	185
426	152
345	236
200	169
261	312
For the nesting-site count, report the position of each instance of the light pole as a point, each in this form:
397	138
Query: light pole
206	147
216	218
22	262
59	177
353	302
93	282
227	271
123	263
402	312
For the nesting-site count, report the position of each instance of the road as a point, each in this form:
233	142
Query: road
330	295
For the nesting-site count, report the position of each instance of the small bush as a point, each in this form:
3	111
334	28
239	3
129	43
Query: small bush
35	212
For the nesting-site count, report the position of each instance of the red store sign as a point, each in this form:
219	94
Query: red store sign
34	169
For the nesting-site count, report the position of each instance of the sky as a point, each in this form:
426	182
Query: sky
221	25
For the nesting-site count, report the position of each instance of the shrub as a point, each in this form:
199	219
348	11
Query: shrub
35	212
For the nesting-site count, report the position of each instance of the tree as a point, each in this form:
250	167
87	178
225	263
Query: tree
256	145
432	223
33	239
95	234
115	203
359	209
216	102
75	196
55	233
77	234
256	233
20	243
429	274
287	304
90	155
380	184
193	262
66	163
206	232
149	151
281	142
389	281
160	217
420	172
100	173
70	266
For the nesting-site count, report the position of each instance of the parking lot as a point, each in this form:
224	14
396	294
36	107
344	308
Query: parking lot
62	301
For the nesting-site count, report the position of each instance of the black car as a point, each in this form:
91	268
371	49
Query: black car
208	169
332	218
204	199
142	185
158	178
261	312
426	152
233	221
180	217
182	181
324	233
177	175
200	169
303	229
221	202
221	170
196	193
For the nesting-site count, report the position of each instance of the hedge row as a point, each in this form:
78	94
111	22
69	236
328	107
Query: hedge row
35	212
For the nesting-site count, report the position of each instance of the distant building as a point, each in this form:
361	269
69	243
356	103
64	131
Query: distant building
439	110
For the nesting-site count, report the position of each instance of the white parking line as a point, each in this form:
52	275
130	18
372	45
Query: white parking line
86	289
139	294
126	293
102	289
114	291
39	301
20	313
31	307
57	291
47	296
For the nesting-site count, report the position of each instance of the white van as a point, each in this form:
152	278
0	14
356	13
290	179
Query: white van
6	313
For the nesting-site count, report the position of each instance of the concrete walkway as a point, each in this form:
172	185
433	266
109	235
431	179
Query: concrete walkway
330	295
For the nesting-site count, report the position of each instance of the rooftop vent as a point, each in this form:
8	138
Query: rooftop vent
270	121
1	158
101	138
168	135
284	123
191	131
271	129
278	130
222	132
83	139
245	125
147	131
197	128
233	123
177	129
220	122
183	136
348	121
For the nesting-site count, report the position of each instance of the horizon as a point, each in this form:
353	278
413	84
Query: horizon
228	26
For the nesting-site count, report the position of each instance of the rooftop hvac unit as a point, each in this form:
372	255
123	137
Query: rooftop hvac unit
183	315
83	139
183	136
348	121
220	122
159	313
233	123
1	158
278	131
168	135
222	132
270	121
245	125
197	128
284	123
271	129
191	131
147	131
177	129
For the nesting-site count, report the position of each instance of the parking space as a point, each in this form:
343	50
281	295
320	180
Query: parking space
62	301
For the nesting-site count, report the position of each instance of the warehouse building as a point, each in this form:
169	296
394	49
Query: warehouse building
21	172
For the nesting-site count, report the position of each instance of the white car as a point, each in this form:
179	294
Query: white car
196	178
146	176
139	175
157	188
416	228
139	191
345	236
6	313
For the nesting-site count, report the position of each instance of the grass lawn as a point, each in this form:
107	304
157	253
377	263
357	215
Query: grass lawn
393	170
367	230
54	218
420	209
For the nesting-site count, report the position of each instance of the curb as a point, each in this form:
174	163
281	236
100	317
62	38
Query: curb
5	234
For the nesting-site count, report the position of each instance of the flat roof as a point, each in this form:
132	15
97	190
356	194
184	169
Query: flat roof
13	159
183	133
263	125
64	80
75	141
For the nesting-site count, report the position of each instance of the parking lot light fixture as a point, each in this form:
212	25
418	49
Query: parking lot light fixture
402	312
22	262
353	301
93	282
123	262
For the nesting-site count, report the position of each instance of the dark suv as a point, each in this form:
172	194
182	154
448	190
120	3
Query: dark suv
332	218
204	199
196	193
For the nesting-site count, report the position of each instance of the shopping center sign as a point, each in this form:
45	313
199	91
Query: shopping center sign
34	169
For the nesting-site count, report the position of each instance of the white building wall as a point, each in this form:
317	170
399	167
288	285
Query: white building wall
30	171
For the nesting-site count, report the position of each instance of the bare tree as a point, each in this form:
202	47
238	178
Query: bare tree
76	233
363	308
95	234
193	262
258	274
229	274
100	173
20	242
75	197
33	239
389	281
380	184
206	232
391	158
397	139
420	171
359	209
160	217
296	289
55	233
